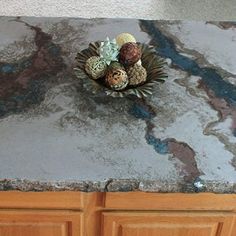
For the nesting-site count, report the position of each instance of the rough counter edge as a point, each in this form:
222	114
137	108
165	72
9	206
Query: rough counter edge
114	185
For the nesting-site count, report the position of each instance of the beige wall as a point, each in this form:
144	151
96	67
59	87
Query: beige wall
148	9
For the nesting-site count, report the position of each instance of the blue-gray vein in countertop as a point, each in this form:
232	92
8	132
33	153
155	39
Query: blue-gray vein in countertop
55	135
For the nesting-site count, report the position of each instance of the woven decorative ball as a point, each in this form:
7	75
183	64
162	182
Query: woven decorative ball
116	65
123	38
137	74
130	53
117	79
95	67
107	85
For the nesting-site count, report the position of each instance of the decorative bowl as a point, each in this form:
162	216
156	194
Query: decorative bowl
153	64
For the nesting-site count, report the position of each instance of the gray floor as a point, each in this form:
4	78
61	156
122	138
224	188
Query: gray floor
147	9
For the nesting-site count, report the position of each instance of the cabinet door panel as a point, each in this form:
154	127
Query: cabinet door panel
167	224
40	223
31	228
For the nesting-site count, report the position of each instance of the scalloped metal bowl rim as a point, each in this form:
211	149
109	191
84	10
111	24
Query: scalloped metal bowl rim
142	90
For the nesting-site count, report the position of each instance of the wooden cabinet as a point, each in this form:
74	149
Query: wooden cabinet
40	223
169	215
116	214
167	224
41	214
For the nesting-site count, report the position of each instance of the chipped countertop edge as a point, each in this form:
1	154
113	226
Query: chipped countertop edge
116	185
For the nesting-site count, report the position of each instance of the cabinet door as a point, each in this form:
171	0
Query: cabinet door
167	224
40	223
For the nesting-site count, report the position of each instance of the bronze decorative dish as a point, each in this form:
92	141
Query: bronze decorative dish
150	61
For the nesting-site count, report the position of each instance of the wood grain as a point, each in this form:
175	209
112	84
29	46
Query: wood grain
116	214
41	200
40	223
167	224
92	213
168	201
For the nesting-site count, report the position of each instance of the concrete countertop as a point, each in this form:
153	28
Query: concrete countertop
55	135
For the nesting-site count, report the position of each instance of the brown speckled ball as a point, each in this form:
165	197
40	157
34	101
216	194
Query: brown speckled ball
130	53
116	79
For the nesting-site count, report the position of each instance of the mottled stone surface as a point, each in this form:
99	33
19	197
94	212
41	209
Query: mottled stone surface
55	135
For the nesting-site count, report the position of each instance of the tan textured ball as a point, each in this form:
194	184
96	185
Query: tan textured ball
137	74
117	79
95	67
125	38
130	53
